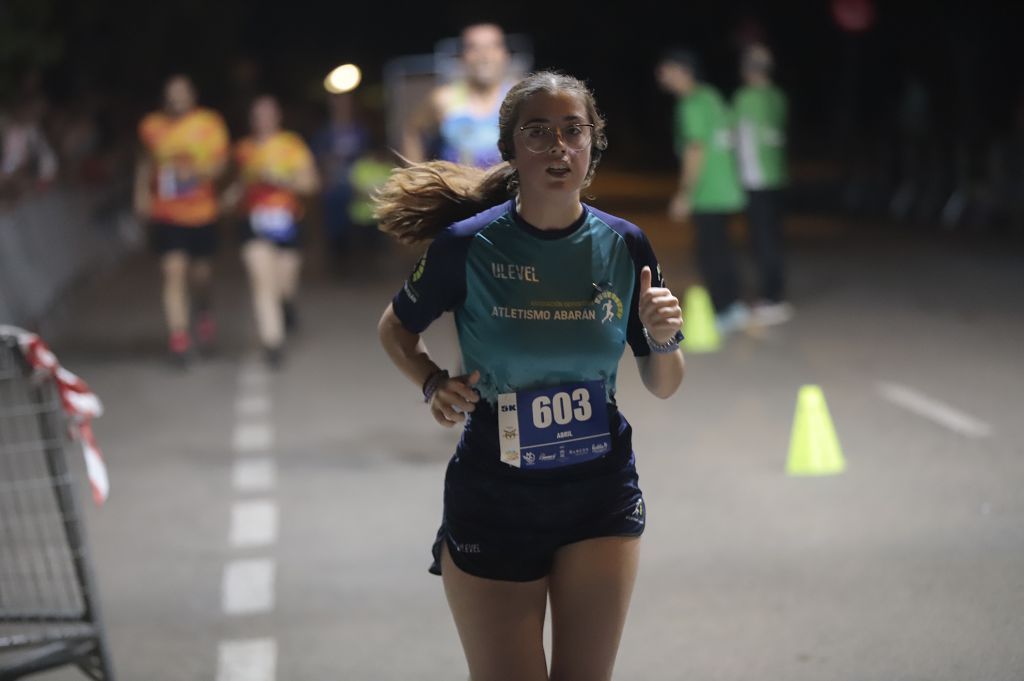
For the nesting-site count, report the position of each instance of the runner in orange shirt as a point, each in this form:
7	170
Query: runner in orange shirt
185	149
276	169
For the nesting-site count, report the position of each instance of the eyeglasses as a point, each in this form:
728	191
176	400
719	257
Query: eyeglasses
540	138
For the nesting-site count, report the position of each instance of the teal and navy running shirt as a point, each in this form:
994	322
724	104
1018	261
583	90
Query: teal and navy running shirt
534	308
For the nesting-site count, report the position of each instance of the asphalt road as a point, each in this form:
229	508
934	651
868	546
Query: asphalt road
319	487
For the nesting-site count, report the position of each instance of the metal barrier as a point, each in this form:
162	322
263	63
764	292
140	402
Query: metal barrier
49	615
49	240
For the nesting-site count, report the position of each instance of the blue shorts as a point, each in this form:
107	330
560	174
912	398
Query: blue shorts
499	527
290	241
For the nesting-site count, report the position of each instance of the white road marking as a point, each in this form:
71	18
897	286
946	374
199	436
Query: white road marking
934	410
252	405
253	377
253	523
254	475
248	586
250	660
253	437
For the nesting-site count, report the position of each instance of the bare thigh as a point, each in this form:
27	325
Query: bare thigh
175	265
175	289
591	585
500	624
288	263
202	272
259	259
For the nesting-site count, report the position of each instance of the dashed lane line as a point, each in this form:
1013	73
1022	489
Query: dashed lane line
253	524
934	410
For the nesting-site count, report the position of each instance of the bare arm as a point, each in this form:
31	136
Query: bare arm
412	145
233	193
141	198
662	374
689	170
218	169
407	350
693	164
306	181
224	156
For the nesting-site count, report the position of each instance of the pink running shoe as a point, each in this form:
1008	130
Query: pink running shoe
179	346
206	331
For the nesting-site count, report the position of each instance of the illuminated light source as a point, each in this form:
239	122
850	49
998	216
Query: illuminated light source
345	78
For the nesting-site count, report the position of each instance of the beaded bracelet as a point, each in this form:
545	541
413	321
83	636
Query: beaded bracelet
663	348
433	382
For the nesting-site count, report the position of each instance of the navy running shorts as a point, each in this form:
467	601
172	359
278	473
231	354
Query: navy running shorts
197	242
500	527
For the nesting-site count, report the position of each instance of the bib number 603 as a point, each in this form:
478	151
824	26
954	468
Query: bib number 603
562	408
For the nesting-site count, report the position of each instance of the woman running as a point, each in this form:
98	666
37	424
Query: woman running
276	169
541	497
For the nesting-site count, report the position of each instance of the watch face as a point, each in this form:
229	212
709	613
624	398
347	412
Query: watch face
678	338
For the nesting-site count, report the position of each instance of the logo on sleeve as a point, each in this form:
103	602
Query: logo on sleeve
421	265
413	295
417	274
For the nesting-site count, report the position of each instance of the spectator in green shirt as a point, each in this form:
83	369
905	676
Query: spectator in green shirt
709	188
761	109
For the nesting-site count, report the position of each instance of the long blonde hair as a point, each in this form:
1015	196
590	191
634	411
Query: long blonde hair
419	201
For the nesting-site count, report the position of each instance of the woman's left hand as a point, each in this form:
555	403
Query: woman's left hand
659	309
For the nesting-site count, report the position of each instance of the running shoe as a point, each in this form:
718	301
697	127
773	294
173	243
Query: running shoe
273	356
768	313
180	346
291	318
206	331
736	317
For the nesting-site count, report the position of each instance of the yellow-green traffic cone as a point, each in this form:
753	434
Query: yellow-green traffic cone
699	316
813	447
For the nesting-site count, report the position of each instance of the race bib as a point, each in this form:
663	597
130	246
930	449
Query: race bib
169	186
274	223
553	427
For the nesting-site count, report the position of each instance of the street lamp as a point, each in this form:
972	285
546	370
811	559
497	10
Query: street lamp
344	78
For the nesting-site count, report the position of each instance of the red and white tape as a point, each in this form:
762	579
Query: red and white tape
80	403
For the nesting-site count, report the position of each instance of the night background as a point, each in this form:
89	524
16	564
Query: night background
848	88
836	496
